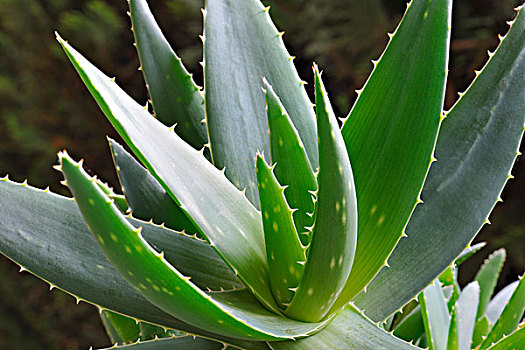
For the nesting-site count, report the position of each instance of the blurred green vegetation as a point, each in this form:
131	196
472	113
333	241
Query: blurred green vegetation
44	107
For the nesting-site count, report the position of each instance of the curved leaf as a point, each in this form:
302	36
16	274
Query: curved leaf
293	168
180	343
498	303
391	131
241	45
176	98
286	255
513	341
476	148
509	318
487	277
436	318
145	196
331	251
350	329
149	272
224	216
466	309
45	234
121	329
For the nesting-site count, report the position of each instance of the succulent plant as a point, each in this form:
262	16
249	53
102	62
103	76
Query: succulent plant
447	317
302	246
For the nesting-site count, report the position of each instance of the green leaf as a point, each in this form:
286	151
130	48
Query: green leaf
481	329
149	331
45	234
498	303
468	252
487	278
119	199
452	341
237	315
476	148
509	318
224	216
435	316
411	327
513	341
241	45
465	310
146	197
286	256
121	329
331	251
293	168
180	343
350	329
176	98
391	131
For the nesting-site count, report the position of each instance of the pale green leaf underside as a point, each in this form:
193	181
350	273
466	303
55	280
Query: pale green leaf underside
284	251
349	330
222	213
176	99
468	252
180	343
435	316
466	309
52	241
234	314
509	318
476	149
145	196
292	168
487	278
497	304
391	131
333	244
241	46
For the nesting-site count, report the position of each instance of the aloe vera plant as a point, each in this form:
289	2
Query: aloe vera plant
448	317
250	218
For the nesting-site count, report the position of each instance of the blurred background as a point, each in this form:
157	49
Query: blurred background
44	107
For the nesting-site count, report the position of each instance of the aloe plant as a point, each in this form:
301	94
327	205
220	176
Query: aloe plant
250	218
450	318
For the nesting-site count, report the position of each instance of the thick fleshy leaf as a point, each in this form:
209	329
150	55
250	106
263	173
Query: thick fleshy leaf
487	278
465	310
180	343
224	216
119	199
476	148
285	254
468	252
509	318
176	99
498	303
45	234
481	329
411	327
435	316
120	329
149	331
230	314
452	340
513	341
293	168
391	131
350	329
145	196
241	45
331	252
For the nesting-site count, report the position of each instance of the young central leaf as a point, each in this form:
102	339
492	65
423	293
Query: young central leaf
286	255
293	168
331	252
